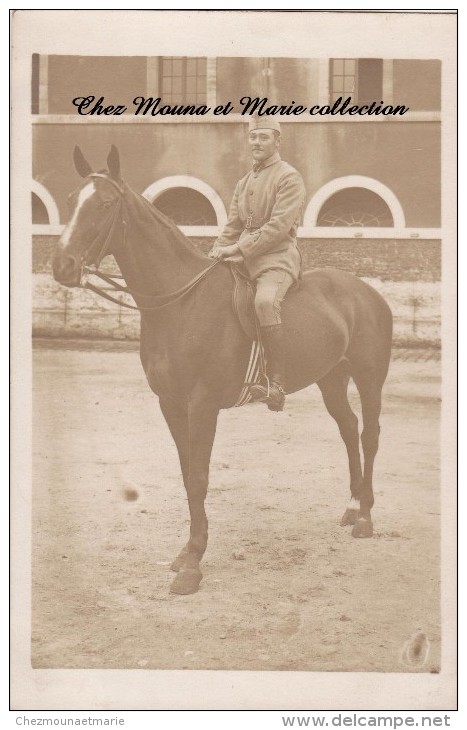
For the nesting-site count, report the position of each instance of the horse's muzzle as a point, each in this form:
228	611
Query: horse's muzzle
66	269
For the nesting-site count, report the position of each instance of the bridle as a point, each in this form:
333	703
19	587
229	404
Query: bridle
104	246
154	302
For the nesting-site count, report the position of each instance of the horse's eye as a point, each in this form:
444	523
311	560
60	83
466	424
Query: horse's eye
106	204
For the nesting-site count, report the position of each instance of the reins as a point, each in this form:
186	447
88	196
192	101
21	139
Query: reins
156	301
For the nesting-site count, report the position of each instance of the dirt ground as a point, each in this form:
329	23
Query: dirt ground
285	587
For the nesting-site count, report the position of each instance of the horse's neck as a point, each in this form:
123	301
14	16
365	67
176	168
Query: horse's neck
155	257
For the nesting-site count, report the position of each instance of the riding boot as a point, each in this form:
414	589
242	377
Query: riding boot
273	394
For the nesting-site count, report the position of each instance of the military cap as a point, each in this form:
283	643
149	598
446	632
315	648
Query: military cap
265	122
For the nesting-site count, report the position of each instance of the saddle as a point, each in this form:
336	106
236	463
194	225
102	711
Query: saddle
243	302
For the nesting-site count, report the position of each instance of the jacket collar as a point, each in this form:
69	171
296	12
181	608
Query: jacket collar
269	161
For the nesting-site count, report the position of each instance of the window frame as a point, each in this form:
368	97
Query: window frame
183	96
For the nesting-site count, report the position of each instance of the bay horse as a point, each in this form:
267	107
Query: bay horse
195	352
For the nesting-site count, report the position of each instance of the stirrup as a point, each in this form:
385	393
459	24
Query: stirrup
276	399
272	394
260	392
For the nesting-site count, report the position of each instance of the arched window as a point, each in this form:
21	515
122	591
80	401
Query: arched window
44	207
354	200
40	215
188	200
355	207
186	207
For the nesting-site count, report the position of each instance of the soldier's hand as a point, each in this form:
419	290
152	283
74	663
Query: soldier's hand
236	259
224	252
215	252
231	250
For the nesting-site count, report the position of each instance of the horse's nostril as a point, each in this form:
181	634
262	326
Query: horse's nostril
65	268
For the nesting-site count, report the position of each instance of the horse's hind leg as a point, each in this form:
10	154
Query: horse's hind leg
369	387
334	391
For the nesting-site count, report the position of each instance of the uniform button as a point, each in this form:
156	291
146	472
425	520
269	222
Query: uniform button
251	192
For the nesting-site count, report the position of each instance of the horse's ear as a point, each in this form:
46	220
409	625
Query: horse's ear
83	167
113	163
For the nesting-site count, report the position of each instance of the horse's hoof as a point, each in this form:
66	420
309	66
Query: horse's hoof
186	581
349	517
363	528
179	561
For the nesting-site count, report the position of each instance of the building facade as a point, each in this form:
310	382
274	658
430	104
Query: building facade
373	181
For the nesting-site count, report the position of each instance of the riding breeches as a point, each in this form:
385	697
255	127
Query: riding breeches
271	288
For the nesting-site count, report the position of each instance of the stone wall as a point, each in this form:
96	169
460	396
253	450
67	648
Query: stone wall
406	272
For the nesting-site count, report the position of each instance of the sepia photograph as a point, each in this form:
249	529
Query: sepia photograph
234	263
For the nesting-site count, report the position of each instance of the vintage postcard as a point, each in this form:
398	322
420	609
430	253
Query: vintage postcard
234	261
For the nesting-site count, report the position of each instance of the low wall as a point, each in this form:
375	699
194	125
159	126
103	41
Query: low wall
406	273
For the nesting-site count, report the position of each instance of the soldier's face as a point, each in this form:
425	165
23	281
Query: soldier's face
263	143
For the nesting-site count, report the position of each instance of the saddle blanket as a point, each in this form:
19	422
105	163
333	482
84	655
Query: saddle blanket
253	373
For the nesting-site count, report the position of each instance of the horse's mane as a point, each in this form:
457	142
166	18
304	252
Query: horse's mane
151	220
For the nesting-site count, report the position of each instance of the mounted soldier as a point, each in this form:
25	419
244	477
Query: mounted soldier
194	352
261	234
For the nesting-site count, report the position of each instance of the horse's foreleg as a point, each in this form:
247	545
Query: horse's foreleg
202	421
334	391
176	416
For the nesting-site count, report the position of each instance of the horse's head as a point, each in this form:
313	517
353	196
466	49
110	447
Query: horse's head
93	229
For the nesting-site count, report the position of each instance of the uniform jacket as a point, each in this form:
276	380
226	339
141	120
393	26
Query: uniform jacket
264	217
